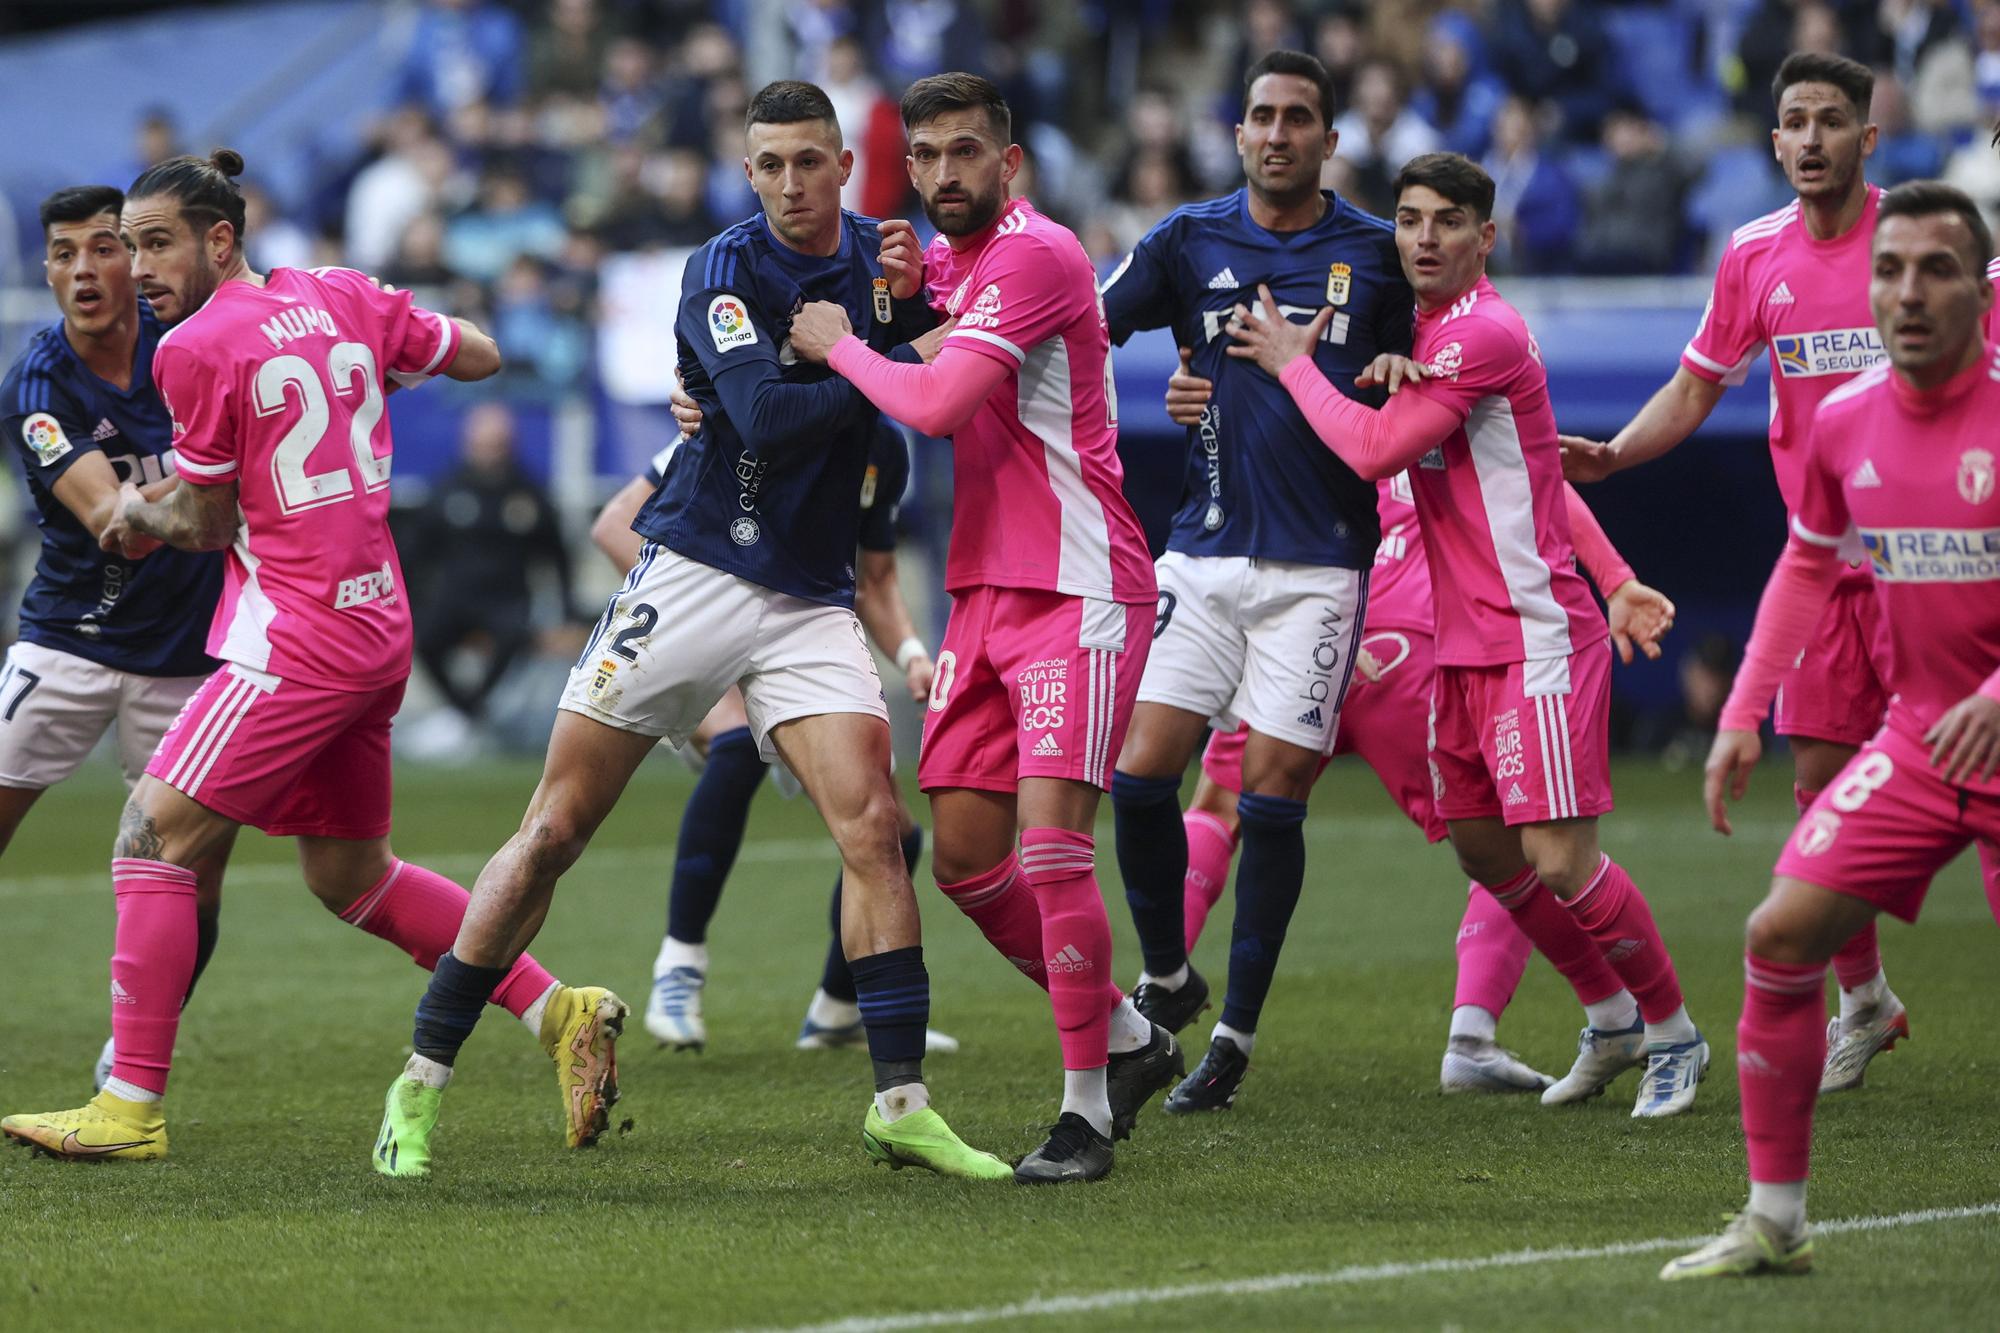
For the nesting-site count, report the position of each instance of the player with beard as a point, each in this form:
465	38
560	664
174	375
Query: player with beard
1795	282
1052	596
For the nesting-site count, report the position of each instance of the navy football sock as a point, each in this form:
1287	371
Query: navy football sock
1152	859
1267	890
712	833
207	929
451	1007
895	998
836	978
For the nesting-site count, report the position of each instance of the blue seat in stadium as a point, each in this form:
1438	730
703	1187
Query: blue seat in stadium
1657	45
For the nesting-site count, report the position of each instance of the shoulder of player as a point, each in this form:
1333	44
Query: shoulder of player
36	382
1846	399
1199	215
1490	318
719	262
1763	233
1993	271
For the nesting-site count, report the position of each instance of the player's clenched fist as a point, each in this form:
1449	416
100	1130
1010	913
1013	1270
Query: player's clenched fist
1187	392
119	536
687	412
902	259
816	328
1730	760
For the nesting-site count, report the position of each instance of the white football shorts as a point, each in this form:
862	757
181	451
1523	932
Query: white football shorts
56	706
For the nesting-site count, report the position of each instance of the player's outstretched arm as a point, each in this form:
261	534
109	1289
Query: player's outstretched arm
1674	412
89	489
192	518
478	356
935	398
878	601
1639	616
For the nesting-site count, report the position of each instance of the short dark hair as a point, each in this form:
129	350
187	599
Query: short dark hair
1453	175
1854	79
789	101
1925	199
932	97
1299	65
80	203
205	187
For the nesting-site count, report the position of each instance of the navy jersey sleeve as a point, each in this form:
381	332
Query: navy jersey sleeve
1139	294
882	488
44	420
738	350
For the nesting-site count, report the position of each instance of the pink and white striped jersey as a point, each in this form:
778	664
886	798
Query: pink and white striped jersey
1913	477
1804	300
280	389
1491	498
1399	588
1993	315
1039	499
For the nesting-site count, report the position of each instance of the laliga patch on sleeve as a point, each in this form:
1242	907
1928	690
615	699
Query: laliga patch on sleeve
729	323
45	436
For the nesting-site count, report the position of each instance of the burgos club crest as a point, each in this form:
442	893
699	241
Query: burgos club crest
729	323
1339	283
1975	476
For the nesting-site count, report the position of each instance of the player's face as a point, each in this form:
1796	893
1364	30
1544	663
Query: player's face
961	170
1930	294
1821	141
797	171
1282	140
169	262
90	274
1443	245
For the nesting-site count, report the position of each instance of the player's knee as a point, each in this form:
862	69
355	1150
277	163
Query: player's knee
552	840
1482	866
1779	935
868	830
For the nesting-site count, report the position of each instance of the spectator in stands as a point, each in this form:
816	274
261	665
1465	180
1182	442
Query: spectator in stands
814	26
915	38
1902	152
486	527
504	222
1929	52
1536	207
871	123
157	138
1341	44
566	55
410	176
1986	62
462	51
1455	97
633	99
1556	51
544	340
1380	133
419	257
1776	28
1153	184
274	240
1636	218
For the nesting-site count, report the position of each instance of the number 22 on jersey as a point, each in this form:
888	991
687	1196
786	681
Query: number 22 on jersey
299	488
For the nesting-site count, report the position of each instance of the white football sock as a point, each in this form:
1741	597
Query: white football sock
130	1092
1244	1040
1474	1023
532	1015
901	1100
1674	1029
1172	981
427	1071
1867	995
677	953
1129	1028
1614	1013
827	1012
1084	1093
1783	1203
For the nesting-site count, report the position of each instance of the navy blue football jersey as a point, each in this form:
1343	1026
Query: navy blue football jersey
1259	481
149	616
766	489
882	485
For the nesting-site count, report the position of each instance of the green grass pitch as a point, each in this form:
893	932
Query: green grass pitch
740	1195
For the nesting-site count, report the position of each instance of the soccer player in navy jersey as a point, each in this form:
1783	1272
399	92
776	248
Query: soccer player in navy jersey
1265	579
746	578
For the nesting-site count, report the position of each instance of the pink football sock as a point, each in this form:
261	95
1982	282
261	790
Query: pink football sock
1780	1046
1211	847
1542	917
1615	914
419	911
1061	868
151	964
1492	954
1005	911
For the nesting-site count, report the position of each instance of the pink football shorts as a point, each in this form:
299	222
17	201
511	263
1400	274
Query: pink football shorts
290	759
1526	742
1887	825
1833	693
1032	684
1384	722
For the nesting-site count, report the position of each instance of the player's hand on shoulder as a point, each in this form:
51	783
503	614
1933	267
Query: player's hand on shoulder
816	328
902	259
1730	760
930	344
1965	742
687	412
1265	336
1187	392
1392	369
1586	460
1639	616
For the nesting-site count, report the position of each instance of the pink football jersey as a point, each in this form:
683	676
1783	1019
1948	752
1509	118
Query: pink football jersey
1806	301
280	389
1491	500
1399	587
1993	315
1039	499
1911	478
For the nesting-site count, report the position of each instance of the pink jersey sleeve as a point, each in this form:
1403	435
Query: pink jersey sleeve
1726	341
199	402
1594	551
1477	359
1822	516
1023	298
417	343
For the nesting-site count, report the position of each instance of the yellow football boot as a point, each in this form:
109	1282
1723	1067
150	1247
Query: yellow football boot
105	1127
580	1031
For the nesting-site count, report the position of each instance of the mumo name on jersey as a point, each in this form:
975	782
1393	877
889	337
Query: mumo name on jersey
1335	332
297	322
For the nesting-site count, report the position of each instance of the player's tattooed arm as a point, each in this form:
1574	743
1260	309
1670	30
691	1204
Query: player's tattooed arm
138	836
193	518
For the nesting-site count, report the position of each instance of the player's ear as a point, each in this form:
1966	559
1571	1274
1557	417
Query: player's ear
1868	139
1010	162
846	161
1332	142
746	172
1489	233
221	241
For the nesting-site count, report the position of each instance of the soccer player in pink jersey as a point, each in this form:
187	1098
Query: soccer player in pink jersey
275	385
1052	596
1795	283
1899	465
1519	754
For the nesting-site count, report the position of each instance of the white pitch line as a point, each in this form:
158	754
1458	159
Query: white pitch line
1352	1275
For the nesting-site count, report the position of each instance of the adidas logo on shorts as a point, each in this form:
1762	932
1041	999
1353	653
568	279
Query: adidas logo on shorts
1046	747
1515	796
1311	717
1069	959
1224	281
